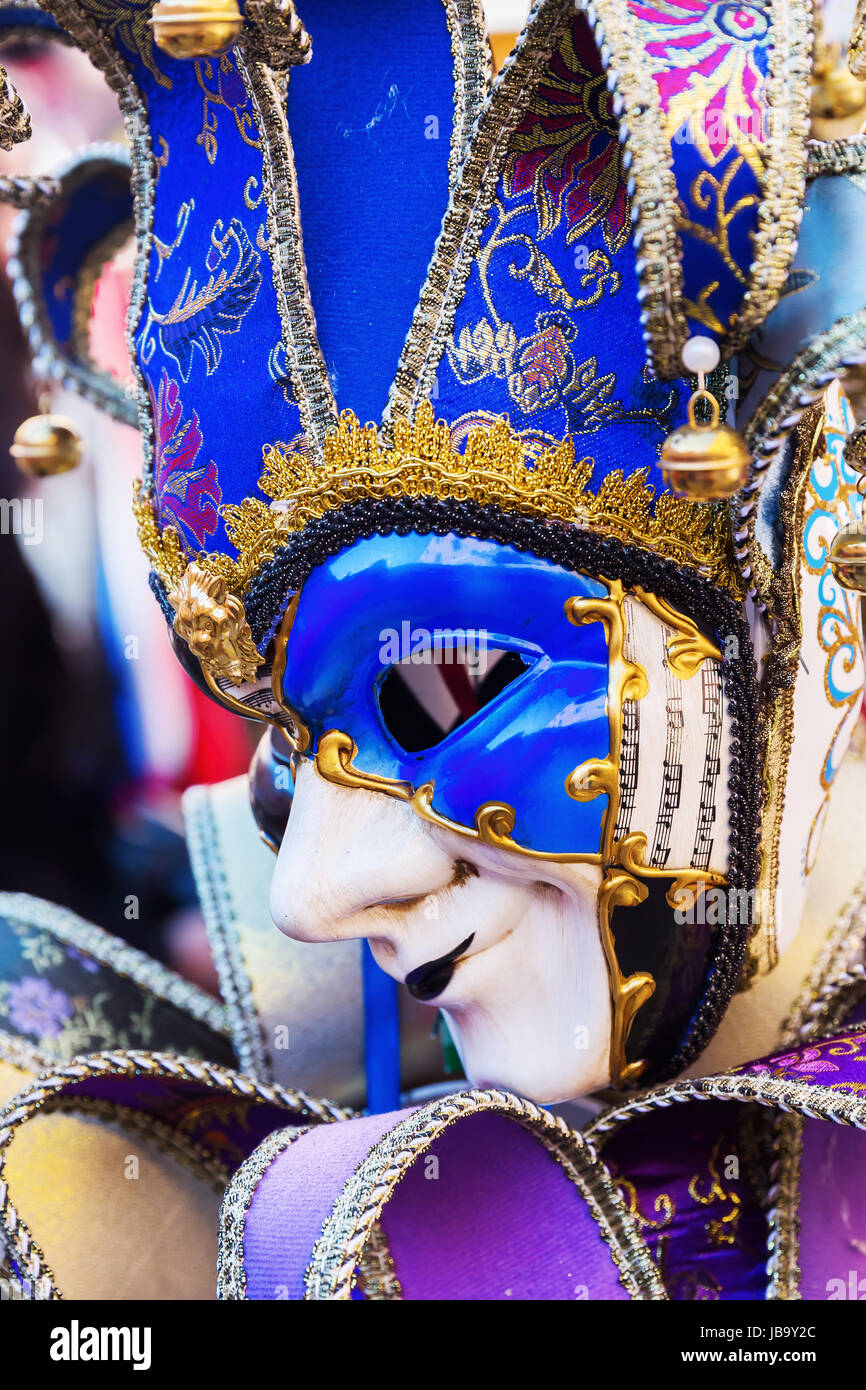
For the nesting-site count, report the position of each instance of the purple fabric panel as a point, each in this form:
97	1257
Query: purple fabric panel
501	1220
837	1063
706	1230
294	1199
833	1212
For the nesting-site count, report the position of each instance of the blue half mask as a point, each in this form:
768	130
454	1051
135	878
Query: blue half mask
383	599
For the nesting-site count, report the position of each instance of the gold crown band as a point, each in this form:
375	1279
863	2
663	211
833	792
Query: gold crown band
495	468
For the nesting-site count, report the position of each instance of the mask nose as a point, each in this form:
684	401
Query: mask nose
345	852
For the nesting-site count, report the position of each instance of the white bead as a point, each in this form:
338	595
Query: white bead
700	354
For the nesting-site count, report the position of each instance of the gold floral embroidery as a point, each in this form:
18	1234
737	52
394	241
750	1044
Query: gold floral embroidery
129	23
222	85
721	1229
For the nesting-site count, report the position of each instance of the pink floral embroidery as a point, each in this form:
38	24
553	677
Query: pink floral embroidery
705	57
188	496
567	147
808	1061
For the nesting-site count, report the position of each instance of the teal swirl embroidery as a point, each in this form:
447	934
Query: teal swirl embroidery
832	501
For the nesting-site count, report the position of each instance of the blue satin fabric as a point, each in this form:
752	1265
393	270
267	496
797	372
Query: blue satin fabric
548	328
215	399
371	119
521	747
217	370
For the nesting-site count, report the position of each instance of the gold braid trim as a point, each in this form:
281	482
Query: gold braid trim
496	468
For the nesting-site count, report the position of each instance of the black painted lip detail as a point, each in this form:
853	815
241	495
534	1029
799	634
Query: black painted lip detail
430	979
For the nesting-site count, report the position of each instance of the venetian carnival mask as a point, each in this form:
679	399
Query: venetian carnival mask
531	711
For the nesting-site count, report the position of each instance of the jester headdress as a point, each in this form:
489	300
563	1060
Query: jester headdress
503	277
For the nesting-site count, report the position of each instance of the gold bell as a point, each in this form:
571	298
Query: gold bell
848	557
705	462
196	28
47	444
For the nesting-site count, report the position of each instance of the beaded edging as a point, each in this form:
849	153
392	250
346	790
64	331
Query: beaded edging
783	182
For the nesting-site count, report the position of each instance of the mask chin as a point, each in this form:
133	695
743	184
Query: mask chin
539	1019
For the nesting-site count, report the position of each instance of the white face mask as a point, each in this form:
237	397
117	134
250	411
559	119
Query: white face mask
513	948
512	955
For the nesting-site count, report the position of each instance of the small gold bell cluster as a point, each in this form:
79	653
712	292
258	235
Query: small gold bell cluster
705	461
848	549
196	28
46	445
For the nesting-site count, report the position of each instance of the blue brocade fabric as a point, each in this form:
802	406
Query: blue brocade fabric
547	331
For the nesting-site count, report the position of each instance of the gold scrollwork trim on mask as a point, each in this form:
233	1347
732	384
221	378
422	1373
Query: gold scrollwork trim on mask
624	861
295	730
687	652
630	854
334	760
801	385
626	681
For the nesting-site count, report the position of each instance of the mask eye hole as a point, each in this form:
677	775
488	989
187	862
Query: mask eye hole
423	701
